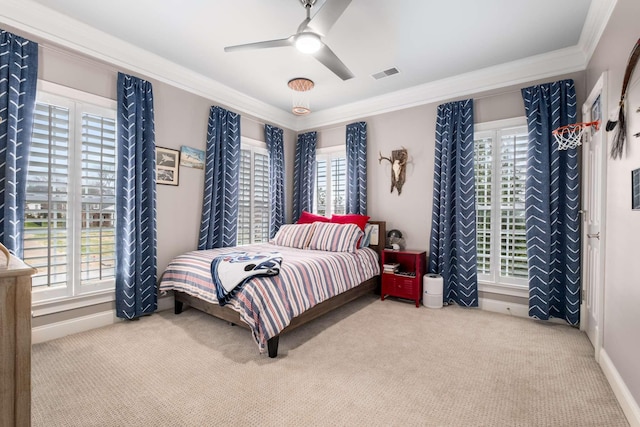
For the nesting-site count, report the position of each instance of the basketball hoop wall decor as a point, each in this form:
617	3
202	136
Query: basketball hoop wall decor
571	136
398	162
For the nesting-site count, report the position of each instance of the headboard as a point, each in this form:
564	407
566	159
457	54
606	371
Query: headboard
382	237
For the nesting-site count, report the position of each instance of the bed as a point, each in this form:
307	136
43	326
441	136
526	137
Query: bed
310	283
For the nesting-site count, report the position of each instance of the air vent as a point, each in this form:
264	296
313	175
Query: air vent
385	73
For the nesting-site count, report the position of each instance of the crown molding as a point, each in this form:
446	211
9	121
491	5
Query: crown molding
597	18
537	67
60	30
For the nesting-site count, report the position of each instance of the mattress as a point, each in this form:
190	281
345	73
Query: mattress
268	304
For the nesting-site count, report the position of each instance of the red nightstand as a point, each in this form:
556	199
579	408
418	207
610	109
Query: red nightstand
406	282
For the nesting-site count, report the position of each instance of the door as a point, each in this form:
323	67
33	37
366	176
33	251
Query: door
594	173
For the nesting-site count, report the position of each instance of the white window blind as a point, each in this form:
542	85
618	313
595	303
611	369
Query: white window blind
70	202
253	196
331	181
97	246
46	236
338	184
321	189
500	173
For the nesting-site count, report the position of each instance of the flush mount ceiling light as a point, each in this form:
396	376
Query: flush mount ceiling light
300	87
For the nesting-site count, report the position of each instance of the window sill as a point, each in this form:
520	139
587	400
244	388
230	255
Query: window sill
43	308
504	289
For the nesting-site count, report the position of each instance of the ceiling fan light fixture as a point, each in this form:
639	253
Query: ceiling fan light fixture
308	42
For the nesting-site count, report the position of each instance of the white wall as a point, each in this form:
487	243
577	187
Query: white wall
181	118
622	231
414	129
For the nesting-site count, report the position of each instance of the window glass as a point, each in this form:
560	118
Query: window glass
331	181
500	161
70	200
253	197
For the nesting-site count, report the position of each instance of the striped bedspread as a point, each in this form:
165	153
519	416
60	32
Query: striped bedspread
267	304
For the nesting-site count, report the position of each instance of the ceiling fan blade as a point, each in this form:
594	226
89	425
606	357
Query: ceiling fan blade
332	62
328	14
261	45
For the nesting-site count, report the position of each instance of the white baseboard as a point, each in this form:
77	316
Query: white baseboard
625	398
513	309
76	325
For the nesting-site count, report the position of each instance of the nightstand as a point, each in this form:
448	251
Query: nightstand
406	281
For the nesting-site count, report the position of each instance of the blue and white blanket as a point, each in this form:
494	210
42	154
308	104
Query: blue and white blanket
230	271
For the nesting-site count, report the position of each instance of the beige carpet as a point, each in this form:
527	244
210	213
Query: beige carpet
371	363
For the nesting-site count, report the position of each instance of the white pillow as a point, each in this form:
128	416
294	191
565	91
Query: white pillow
335	237
293	235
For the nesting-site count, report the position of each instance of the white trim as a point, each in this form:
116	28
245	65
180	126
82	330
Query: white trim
77	103
61	30
252	142
76	325
597	18
334	149
328	154
494	282
504	289
43	308
599	90
623	395
503	307
76	95
56	330
538	67
500	124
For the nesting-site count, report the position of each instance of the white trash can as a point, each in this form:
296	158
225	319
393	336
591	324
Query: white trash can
432	289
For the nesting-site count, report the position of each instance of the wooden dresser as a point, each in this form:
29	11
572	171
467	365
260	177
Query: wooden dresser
15	342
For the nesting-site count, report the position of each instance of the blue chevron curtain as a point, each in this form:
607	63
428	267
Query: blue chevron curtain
453	230
552	192
136	232
357	168
275	148
304	173
18	79
219	226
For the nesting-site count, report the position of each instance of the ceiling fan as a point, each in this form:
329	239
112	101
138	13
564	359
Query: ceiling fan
308	37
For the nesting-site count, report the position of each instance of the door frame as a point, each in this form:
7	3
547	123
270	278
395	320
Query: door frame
599	90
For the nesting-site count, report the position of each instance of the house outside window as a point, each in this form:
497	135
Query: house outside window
500	173
331	181
253	197
69	234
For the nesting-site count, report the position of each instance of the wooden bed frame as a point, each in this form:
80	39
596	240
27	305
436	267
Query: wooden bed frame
318	310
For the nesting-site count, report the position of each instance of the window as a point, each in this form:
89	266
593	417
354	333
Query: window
500	173
331	181
253	197
70	203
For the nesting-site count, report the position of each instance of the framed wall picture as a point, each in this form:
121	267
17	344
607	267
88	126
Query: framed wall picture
635	189
191	157
167	166
375	233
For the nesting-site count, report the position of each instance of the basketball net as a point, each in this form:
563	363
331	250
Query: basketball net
571	136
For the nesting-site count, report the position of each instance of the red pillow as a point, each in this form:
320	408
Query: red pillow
359	220
308	218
